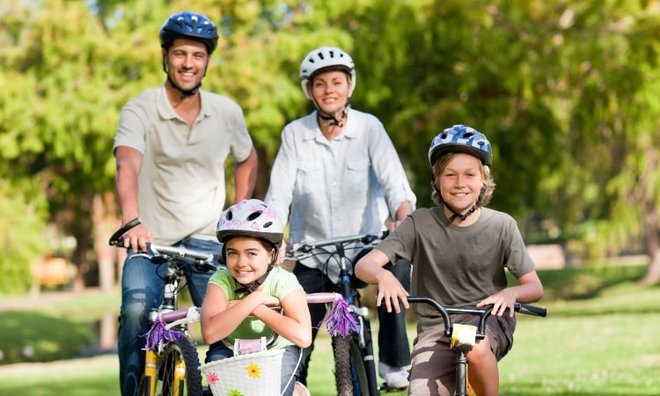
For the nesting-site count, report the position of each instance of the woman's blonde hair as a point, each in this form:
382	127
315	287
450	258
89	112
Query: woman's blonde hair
487	186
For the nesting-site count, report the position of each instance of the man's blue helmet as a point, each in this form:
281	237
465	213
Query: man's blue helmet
189	25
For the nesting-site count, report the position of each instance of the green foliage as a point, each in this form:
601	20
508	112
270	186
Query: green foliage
565	90
26	339
22	225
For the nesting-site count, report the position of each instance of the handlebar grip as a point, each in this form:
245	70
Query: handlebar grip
321	298
531	310
174	315
115	239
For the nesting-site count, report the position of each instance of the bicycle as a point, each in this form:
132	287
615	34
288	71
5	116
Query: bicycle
355	370
171	359
465	339
254	369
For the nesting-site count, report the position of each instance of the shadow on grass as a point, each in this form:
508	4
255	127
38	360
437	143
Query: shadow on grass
75	387
36	336
586	283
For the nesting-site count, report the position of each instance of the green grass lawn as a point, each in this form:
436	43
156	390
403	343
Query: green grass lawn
606	344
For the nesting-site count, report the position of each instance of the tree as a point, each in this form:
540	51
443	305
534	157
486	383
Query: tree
566	91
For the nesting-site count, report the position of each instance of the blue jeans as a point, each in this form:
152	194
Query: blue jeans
291	362
141	292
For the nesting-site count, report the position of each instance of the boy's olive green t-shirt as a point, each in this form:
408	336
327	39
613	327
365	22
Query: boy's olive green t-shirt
457	265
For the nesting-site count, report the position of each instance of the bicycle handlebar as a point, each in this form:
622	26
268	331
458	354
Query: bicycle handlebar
482	312
298	249
203	259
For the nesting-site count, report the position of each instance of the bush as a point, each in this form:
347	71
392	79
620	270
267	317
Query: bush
22	227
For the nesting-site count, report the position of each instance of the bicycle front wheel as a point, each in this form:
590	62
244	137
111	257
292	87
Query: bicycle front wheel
341	348
352	375
174	372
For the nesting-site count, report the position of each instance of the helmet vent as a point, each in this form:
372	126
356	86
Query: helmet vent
268	224
320	54
229	215
254	215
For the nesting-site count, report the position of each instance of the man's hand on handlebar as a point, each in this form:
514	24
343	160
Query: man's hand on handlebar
137	238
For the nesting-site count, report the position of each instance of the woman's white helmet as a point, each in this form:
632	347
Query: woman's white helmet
324	58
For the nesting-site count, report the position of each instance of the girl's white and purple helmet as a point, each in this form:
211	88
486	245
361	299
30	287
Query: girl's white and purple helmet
250	217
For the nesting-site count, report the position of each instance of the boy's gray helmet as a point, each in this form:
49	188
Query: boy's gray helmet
461	138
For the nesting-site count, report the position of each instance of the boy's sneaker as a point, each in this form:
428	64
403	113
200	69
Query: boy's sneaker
395	377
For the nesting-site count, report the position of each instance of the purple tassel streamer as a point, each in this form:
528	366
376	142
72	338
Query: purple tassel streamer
340	320
158	333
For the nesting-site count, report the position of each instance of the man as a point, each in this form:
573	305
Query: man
170	150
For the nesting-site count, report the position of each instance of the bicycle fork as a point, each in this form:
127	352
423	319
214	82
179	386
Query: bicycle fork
173	372
365	342
151	363
463	387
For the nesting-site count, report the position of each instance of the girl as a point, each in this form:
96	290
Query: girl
239	298
460	250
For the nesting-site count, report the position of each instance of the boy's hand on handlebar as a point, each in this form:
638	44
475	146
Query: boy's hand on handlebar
137	238
500	301
391	292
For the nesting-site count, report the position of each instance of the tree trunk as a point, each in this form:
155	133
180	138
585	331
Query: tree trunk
652	276
105	222
81	228
652	241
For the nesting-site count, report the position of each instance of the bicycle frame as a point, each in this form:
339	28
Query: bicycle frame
170	355
174	325
461	350
362	337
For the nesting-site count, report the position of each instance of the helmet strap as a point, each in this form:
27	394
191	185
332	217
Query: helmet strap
330	117
248	289
456	214
184	92
463	216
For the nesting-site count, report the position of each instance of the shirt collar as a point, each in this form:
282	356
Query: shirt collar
166	111
312	130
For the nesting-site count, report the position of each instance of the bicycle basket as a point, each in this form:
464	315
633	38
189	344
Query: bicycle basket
254	374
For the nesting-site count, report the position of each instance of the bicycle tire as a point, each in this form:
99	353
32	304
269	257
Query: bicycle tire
364	366
179	352
359	372
341	349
